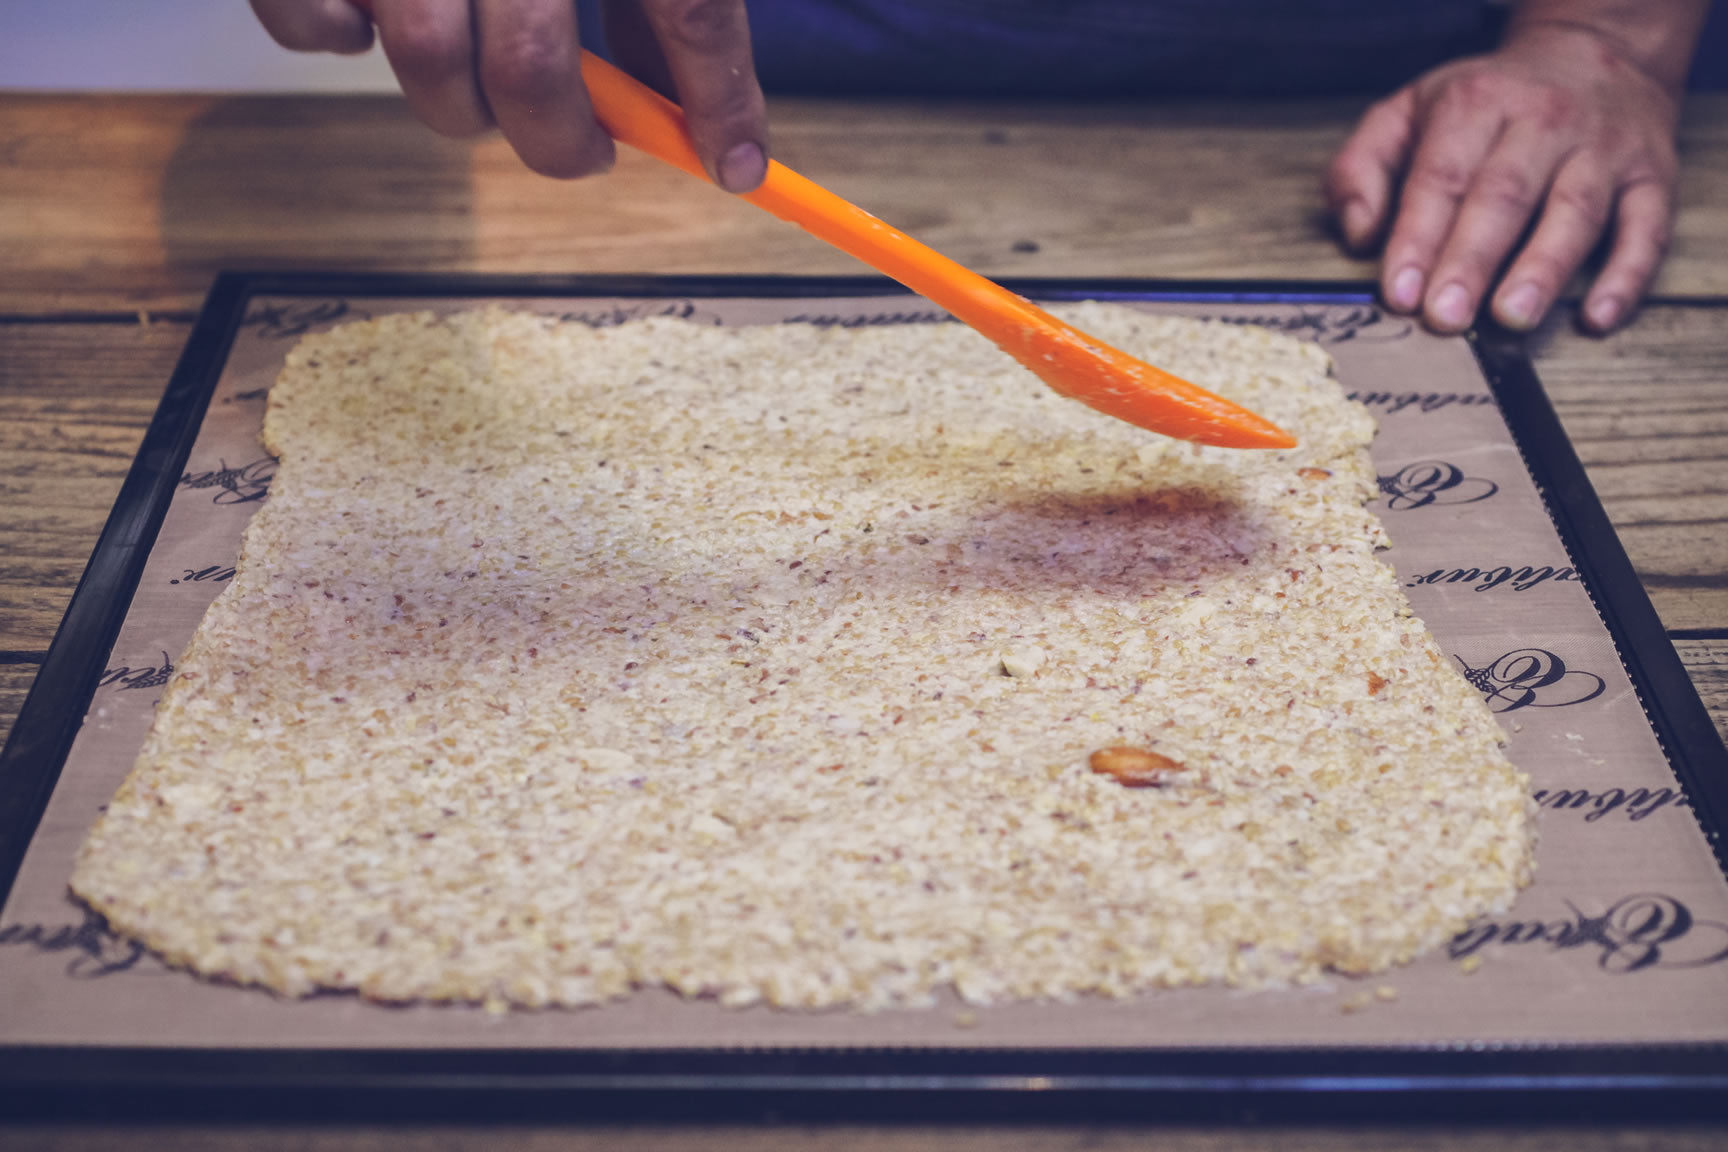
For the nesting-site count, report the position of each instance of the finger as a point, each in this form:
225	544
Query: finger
531	78
1573	217
1454	139
707	48
315	25
1366	170
430	44
1503	198
1643	225
631	41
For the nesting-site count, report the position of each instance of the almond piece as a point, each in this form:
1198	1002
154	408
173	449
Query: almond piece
1134	767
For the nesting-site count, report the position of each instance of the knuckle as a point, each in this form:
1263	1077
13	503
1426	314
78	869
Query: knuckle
1660	240
1342	180
1441	176
1587	200
1480	89
1552	110
529	66
425	46
1658	165
1508	188
1636	256
696	24
1352	167
1547	107
1653	194
740	104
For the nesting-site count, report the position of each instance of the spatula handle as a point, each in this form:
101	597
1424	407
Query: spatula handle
642	118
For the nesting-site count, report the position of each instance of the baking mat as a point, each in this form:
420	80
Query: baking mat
1622	940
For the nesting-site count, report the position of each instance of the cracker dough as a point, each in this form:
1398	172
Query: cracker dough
773	664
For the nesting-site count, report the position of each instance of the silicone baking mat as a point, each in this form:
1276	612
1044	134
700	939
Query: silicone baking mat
1610	973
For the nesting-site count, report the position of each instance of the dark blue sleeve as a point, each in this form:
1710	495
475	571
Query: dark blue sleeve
1110	47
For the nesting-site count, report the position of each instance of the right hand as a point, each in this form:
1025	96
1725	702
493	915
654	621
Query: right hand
467	66
1493	178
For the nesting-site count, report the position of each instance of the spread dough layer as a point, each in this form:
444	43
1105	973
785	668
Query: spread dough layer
801	665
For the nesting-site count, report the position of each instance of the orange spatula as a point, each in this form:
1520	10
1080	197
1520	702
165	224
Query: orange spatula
1065	358
1062	356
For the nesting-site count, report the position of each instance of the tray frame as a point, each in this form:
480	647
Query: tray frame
1670	1083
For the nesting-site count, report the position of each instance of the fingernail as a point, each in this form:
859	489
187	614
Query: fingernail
1451	308
1518	307
1358	222
1605	312
1406	290
742	168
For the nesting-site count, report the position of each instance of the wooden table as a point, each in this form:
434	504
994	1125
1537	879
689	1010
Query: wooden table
116	211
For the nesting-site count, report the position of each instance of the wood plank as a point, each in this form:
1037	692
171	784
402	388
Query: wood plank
15	681
1707	663
1647	411
74	402
125	202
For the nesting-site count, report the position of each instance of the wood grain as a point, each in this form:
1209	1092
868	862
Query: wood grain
126	202
15	680
1707	663
1647	412
74	402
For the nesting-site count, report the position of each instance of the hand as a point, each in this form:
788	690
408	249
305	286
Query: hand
1528	155
467	66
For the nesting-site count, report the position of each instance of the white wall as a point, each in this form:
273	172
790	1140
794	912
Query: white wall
154	45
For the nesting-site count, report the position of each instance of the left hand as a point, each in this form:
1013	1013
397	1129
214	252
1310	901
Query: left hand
1519	160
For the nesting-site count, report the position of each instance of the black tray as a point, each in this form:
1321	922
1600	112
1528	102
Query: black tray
1455	1083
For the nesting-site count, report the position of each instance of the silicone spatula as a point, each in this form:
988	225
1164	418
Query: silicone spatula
1068	360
